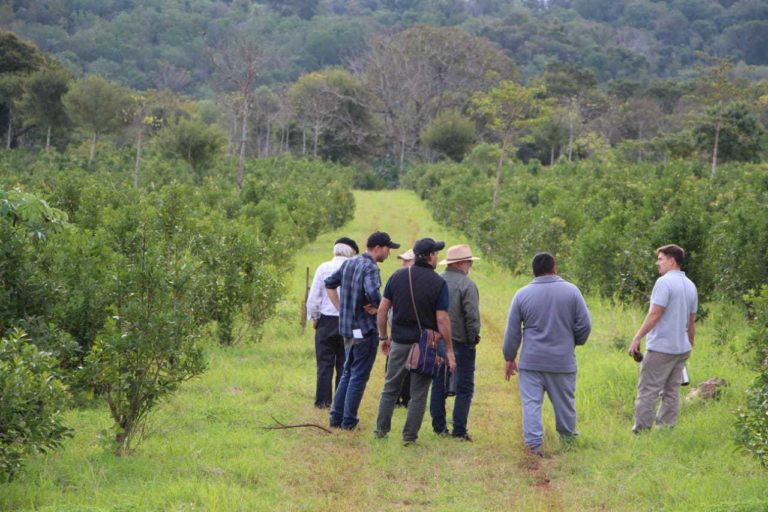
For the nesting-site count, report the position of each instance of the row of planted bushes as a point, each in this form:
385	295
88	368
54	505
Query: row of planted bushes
602	221
117	283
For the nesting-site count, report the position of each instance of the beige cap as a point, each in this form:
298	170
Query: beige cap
457	253
407	255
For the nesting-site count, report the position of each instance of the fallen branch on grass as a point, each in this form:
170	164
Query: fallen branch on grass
283	426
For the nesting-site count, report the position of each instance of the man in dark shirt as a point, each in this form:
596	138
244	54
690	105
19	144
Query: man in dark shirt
421	289
360	280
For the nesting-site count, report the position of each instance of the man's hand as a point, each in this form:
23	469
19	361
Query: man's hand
451	357
634	347
370	309
315	322
511	369
386	346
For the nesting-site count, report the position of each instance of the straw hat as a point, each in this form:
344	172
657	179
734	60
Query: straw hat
407	255
457	253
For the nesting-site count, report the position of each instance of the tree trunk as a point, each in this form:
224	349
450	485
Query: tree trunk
570	138
303	141
402	155
10	128
552	156
93	149
267	139
136	164
316	137
718	126
48	141
243	140
497	186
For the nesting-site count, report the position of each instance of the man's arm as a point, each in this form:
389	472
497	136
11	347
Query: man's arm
371	285
444	327
315	297
691	328
470	304
381	322
512	338
651	319
582	324
332	283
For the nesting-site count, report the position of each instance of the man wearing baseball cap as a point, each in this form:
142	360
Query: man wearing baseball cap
411	291
464	310
357	303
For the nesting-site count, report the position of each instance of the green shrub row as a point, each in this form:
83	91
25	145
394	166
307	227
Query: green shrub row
117	283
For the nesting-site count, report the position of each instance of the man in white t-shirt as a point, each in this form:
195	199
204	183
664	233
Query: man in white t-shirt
669	326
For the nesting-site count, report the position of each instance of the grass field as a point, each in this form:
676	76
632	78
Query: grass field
205	449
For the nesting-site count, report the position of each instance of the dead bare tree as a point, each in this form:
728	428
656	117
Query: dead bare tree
238	63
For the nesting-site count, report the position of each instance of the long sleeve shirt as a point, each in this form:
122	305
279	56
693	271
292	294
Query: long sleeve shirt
318	302
549	318
359	280
464	308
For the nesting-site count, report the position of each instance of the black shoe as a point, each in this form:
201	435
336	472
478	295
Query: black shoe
463	437
409	443
377	434
443	433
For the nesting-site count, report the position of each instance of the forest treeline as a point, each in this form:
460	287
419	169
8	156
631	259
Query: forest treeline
384	84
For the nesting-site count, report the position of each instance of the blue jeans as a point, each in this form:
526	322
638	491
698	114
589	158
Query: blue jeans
465	389
360	356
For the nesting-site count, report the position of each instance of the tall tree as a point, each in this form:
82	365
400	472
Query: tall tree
717	89
239	63
422	71
41	104
507	110
99	107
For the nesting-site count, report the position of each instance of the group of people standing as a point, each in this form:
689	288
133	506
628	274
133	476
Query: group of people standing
547	319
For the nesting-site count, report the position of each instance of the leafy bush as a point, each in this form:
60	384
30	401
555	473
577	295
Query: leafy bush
31	401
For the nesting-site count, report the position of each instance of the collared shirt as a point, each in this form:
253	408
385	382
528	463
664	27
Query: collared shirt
549	317
465	306
430	294
359	281
318	302
678	296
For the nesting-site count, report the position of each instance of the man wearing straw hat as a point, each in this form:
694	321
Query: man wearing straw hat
464	310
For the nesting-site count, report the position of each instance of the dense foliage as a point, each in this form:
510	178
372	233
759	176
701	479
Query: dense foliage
602	221
752	423
118	283
157	44
32	399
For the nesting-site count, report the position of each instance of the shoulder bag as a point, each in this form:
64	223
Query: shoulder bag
422	358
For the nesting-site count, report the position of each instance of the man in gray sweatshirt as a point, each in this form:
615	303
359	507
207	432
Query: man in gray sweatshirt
548	317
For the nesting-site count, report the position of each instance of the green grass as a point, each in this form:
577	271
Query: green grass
205	449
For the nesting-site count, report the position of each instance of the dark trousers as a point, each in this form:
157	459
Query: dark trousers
329	353
465	389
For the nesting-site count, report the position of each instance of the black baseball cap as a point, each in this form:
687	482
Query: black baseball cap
382	239
348	241
425	246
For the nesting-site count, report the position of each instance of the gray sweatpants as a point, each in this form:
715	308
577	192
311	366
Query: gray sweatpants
660	374
396	373
561	389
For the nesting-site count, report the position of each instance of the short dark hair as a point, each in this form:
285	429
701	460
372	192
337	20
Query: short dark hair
543	263
673	250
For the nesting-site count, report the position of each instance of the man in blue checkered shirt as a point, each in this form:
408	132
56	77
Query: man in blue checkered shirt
357	302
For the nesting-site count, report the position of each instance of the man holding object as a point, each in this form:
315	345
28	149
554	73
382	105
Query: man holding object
669	326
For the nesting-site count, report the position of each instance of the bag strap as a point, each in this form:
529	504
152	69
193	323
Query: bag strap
413	301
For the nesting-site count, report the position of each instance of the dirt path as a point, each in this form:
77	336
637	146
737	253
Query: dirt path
494	470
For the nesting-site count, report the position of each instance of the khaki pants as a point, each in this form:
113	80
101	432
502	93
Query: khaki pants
660	375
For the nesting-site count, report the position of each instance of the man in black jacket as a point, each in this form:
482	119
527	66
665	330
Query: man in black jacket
421	286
